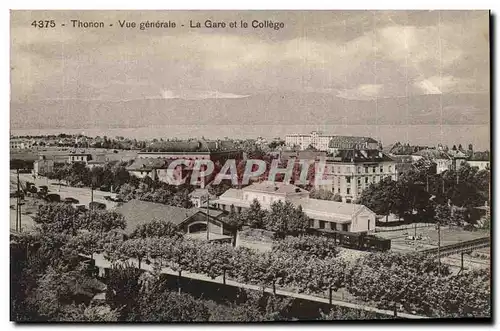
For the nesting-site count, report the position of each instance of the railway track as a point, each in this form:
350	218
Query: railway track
462	247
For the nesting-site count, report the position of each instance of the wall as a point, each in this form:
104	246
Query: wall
363	221
349	179
482	165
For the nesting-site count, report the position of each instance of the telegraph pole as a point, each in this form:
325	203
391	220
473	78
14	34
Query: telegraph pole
17	202
208	202
439	248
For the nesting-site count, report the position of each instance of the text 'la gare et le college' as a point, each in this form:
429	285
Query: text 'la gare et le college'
159	24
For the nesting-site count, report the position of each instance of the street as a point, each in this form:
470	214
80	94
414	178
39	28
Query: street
83	195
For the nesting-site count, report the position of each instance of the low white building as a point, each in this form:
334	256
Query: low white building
323	214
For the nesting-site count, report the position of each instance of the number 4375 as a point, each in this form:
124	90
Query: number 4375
44	24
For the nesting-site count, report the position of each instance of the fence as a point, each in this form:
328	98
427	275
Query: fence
462	247
404	227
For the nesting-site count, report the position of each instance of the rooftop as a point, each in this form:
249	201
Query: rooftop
363	155
339	141
326	210
275	187
192	146
138	212
148	164
432	154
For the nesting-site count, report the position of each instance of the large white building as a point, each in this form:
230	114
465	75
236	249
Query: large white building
19	143
323	214
349	172
330	143
303	141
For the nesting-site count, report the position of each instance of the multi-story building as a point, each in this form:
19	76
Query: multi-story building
18	143
79	157
330	143
352	142
349	172
43	166
315	139
445	160
323	214
480	160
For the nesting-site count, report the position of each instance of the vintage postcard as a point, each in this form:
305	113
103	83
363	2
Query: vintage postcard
249	166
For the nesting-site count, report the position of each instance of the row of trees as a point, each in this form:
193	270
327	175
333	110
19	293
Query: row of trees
51	284
406	282
421	191
111	176
115	177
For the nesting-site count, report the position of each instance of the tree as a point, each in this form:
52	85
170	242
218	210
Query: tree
285	218
255	215
161	305
443	214
383	197
123	291
235	222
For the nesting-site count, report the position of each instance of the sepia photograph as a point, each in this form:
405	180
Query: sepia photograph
242	166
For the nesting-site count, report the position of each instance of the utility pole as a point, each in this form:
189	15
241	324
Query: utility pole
208	220
439	248
17	202
427	177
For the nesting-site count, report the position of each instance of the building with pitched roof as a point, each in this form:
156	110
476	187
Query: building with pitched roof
350	171
330	143
323	214
480	160
189	220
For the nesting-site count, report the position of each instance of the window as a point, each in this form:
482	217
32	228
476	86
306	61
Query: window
374	169
348	179
348	191
338	190
246	196
359	181
311	223
321	224
366	180
345	227
381	169
366	170
390	168
359	170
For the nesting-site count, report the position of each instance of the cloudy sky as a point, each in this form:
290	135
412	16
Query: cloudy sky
320	59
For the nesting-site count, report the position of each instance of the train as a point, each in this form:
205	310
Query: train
359	241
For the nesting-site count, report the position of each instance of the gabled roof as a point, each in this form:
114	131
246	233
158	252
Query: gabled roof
329	210
147	164
138	212
358	156
432	154
480	156
339	212
275	188
349	141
